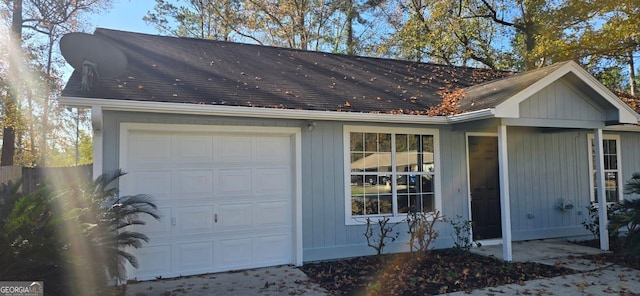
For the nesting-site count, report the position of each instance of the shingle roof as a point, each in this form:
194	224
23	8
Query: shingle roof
492	93
186	70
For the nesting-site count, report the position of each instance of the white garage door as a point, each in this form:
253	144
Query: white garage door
226	199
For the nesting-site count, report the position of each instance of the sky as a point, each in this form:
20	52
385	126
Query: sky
126	15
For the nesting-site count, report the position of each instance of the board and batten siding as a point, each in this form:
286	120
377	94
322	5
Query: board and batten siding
560	101
630	150
325	235
547	168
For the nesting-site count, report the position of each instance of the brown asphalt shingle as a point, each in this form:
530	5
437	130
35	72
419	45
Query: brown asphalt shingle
187	70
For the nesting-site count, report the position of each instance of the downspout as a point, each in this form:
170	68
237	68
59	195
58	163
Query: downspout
602	199
96	123
505	200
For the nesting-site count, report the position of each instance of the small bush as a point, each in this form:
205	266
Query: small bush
385	234
461	233
422	230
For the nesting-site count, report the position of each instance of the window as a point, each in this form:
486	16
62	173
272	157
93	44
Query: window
389	172
611	153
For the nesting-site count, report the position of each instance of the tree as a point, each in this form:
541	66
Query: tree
504	34
203	19
332	25
35	26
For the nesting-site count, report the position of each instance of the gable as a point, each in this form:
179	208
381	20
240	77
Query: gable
559	100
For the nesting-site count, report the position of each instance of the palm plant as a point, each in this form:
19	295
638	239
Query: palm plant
105	217
626	215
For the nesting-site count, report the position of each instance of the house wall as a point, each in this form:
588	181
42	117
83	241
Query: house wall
630	150
545	166
325	234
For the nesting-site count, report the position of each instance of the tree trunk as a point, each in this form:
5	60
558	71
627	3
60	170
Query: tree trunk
632	75
11	108
350	15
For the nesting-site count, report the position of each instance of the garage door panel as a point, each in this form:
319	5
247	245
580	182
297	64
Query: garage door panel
149	149
273	213
272	249
233	253
190	184
273	180
234	149
193	256
154	183
193	148
156	228
235	217
195	176
193	220
154	260
272	149
234	182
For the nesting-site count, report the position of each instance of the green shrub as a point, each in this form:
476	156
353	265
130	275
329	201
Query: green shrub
461	233
73	239
31	247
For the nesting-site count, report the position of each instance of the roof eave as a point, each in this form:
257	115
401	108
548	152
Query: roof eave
254	112
471	116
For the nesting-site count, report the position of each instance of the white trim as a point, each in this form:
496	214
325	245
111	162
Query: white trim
467	135
602	211
473	115
590	138
295	132
623	128
98	149
505	198
254	112
395	217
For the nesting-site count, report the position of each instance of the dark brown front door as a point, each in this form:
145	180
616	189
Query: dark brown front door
484	182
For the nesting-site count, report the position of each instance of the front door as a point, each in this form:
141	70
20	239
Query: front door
484	182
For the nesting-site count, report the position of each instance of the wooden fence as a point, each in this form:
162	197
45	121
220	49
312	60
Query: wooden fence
32	178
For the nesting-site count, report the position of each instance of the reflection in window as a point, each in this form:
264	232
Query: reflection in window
610	152
391	173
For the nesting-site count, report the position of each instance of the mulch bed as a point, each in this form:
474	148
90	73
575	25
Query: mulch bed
435	272
618	255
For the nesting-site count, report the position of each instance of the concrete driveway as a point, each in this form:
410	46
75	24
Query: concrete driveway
279	280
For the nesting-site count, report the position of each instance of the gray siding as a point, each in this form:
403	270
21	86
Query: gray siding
545	167
559	101
630	150
325	233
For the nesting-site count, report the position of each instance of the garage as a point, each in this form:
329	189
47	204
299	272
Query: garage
226	197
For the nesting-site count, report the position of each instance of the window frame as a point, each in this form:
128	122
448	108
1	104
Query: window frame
592	169
394	217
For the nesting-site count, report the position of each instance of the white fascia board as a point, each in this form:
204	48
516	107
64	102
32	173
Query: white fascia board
473	115
256	112
623	128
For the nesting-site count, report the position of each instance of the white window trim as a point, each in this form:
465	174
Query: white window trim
347	129
590	138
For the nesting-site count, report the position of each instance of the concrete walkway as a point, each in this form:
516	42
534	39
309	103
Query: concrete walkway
592	279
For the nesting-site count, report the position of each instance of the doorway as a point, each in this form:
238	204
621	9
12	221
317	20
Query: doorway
484	185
